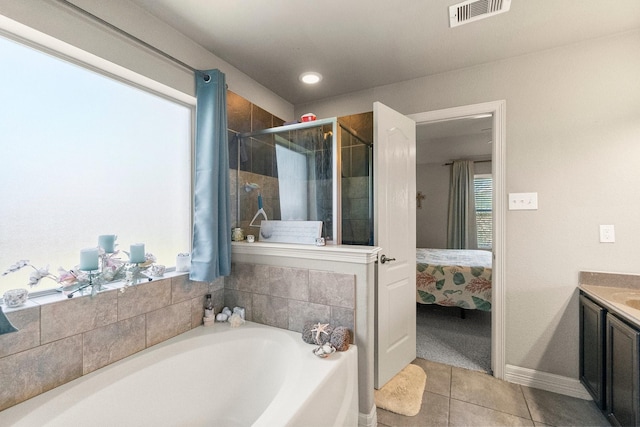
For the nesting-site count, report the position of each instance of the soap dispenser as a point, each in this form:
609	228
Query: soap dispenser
208	307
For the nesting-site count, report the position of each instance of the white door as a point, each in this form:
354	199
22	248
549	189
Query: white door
394	151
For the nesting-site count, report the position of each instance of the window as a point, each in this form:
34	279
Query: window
83	155
483	188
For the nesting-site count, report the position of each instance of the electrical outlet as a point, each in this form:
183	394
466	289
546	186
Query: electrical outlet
607	234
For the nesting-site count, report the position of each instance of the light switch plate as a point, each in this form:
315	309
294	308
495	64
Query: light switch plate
523	201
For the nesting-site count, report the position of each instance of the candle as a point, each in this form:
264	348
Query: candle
183	262
107	242
136	254
89	259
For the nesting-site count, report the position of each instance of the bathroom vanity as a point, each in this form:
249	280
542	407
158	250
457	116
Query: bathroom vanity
609	344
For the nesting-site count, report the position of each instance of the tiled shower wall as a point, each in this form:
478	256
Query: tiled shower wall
356	225
356	182
62	340
287	297
256	163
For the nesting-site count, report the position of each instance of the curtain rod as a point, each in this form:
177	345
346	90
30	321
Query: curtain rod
474	161
128	35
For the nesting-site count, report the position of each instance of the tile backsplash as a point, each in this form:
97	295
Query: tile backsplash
619	280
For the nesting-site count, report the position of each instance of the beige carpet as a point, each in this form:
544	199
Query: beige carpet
403	393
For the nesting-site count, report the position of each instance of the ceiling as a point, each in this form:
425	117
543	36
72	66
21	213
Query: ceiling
361	44
462	138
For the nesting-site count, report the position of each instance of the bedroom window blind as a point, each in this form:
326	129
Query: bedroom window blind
483	190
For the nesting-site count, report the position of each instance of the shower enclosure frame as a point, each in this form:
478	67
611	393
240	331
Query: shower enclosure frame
336	166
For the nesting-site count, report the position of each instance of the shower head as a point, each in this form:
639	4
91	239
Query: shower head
250	186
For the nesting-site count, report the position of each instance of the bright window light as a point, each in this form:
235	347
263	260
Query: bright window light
86	155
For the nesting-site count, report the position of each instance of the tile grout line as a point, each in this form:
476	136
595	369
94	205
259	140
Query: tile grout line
449	397
526	402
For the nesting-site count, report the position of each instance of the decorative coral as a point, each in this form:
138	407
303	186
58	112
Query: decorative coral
340	338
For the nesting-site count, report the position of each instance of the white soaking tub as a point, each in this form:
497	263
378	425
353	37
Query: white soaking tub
253	375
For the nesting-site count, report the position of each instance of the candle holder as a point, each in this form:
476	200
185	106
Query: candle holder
81	288
135	272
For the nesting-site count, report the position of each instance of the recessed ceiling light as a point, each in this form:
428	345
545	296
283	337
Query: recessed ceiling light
310	77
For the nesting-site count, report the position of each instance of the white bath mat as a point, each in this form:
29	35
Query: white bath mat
403	393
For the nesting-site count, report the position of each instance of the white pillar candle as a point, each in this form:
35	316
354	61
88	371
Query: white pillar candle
107	242
136	254
183	262
89	259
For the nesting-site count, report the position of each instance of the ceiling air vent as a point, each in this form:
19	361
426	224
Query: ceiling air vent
473	10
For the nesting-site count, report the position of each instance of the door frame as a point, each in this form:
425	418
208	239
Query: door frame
498	169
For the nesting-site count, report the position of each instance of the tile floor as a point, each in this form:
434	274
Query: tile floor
460	397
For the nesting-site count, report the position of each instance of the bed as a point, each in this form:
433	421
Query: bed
454	277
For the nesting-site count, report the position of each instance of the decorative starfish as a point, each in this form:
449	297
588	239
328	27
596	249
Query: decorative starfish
320	328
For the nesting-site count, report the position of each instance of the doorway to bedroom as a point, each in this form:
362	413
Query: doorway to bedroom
458	235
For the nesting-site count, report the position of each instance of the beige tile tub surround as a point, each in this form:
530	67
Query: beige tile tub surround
287	297
77	315
61	339
28	323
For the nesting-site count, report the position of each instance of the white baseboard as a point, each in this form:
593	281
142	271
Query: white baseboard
545	381
368	420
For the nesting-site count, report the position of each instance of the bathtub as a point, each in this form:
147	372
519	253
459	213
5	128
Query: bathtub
253	375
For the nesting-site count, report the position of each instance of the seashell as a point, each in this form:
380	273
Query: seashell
341	338
240	311
307	335
235	320
221	317
322	352
227	311
15	297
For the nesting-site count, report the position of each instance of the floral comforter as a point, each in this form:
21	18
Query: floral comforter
453	277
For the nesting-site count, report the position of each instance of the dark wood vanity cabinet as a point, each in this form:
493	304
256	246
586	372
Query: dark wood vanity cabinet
592	350
610	363
622	368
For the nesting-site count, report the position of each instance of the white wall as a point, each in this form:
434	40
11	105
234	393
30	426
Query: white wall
63	23
432	179
573	136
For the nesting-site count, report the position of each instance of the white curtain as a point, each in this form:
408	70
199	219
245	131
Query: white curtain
461	223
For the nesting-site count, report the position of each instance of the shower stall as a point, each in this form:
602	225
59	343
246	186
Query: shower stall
356	188
313	171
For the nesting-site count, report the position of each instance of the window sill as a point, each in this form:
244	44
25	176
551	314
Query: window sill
49	296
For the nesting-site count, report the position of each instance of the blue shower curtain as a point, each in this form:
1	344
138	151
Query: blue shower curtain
211	253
